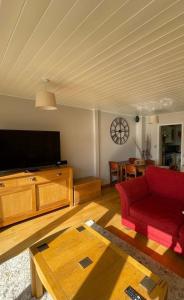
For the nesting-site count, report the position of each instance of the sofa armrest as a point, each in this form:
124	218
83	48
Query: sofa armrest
131	191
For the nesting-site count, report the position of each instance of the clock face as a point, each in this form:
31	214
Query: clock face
119	131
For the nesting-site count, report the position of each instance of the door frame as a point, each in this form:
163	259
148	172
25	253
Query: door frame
159	143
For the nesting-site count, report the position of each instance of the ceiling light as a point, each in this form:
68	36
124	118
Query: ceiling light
166	102
44	99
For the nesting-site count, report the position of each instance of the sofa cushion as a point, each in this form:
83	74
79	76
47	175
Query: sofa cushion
153	212
166	239
181	233
166	183
181	237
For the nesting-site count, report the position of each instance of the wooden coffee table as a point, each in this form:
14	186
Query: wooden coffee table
81	264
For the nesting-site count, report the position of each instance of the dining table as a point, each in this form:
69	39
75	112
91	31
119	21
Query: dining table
140	168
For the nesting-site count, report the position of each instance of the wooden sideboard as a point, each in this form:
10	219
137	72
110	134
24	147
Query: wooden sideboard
24	195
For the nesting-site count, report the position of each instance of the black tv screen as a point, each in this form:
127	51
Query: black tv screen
24	149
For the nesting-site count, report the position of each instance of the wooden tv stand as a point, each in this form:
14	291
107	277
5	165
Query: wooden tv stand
24	195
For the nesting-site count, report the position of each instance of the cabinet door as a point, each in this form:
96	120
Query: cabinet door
53	194
15	203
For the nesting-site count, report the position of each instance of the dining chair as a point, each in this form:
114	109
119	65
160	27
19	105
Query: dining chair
149	162
130	171
122	172
132	160
114	172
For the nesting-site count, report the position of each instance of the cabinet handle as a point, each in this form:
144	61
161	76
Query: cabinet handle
58	174
32	178
2	184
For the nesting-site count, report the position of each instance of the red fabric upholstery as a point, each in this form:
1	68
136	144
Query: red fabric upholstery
166	183
181	233
130	191
159	216
153	205
181	238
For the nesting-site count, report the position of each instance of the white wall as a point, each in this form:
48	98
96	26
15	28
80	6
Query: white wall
77	133
108	149
153	131
74	124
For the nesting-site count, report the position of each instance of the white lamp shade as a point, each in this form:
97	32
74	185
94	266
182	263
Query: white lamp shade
153	119
45	100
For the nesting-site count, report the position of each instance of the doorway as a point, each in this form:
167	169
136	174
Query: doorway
170	146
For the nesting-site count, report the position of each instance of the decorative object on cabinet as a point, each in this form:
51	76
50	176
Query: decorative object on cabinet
145	153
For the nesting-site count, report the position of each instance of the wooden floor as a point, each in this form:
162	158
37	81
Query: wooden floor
18	237
105	210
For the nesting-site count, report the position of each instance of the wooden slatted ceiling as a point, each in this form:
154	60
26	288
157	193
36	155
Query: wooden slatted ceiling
102	54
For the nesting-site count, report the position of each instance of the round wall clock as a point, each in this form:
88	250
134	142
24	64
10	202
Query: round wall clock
119	131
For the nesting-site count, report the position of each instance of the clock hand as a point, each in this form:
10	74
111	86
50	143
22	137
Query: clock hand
119	131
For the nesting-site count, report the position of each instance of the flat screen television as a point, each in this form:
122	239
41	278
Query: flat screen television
25	149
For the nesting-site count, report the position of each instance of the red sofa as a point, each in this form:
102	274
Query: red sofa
154	206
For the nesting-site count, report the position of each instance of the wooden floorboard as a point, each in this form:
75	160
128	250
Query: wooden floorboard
104	210
18	237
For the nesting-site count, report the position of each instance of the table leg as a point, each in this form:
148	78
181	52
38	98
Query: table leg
36	284
120	173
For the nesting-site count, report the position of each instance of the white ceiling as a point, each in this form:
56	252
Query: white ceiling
106	54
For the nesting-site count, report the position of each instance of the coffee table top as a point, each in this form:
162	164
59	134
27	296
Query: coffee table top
80	263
